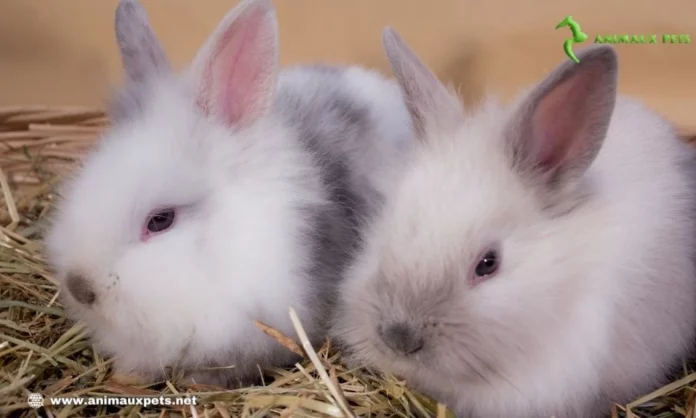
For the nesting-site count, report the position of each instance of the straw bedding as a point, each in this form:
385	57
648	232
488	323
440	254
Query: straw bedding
42	351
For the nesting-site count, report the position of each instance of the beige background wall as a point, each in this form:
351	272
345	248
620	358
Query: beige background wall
62	52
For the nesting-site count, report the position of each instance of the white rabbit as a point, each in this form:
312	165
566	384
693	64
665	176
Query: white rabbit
222	194
537	259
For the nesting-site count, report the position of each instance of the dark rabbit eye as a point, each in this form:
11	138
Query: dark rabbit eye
488	264
161	220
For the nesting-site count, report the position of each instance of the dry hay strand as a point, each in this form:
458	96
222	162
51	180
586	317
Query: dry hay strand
42	351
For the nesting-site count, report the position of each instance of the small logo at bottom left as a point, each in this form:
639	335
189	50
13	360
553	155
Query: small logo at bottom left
36	400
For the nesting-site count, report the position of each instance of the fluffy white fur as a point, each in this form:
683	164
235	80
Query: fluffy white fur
592	304
241	245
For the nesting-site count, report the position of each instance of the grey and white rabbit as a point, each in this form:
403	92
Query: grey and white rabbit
222	194
537	259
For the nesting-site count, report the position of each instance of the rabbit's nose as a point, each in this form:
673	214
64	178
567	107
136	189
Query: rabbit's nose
402	337
80	288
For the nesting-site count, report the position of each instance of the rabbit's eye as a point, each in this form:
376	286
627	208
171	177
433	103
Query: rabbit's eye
160	221
488	264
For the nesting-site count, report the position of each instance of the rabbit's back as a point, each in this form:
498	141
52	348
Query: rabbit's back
354	126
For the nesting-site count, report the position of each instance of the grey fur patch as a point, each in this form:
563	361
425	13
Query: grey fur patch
331	126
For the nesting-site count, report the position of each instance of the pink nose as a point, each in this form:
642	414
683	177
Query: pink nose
80	288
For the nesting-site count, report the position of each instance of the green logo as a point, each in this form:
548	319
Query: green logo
651	38
578	36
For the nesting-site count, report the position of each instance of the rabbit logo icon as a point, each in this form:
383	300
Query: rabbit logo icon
578	36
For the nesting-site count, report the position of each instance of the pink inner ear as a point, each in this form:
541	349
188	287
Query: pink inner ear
561	119
237	78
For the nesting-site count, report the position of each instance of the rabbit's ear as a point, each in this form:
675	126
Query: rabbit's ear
141	52
235	71
560	126
431	105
